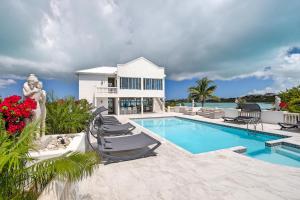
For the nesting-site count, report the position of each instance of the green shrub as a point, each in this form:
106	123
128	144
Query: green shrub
172	104
22	178
294	106
67	115
290	94
239	102
292	98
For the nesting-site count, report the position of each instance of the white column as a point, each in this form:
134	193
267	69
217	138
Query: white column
118	106
142	105
95	102
164	104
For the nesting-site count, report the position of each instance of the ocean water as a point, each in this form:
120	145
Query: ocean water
264	106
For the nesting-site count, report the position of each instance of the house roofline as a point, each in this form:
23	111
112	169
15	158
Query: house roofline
139	58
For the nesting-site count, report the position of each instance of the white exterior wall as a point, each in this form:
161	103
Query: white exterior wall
267	116
231	112
102	101
138	68
272	117
88	84
141	68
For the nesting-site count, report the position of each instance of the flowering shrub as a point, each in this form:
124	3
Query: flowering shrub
283	105
14	111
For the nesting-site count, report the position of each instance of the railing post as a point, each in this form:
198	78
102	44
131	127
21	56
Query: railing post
118	106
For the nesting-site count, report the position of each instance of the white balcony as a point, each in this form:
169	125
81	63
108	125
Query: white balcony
106	91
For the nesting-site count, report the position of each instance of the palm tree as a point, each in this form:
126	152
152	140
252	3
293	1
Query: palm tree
22	177
203	90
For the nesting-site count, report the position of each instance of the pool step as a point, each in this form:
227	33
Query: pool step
258	152
288	153
291	148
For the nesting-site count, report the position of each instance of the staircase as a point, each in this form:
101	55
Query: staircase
160	103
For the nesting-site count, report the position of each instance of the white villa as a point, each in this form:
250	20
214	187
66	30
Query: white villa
135	87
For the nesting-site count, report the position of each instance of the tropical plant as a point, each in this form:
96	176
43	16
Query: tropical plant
239	102
292	99
22	177
290	94
15	111
67	115
203	90
294	106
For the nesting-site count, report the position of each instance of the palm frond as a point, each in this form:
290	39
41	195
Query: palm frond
68	167
22	178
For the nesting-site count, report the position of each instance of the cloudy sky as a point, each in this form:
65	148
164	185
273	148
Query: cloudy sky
249	46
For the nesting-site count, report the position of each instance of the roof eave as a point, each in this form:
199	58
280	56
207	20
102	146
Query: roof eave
99	73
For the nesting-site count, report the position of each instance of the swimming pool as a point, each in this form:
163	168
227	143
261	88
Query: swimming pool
199	137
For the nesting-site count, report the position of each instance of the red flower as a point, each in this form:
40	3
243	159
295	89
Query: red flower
14	111
283	105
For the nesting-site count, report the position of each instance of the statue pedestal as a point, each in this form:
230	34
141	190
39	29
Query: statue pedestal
47	149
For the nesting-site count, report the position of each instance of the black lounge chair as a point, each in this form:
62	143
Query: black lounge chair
113	130
110	130
121	129
110	127
124	148
284	126
95	131
250	114
100	110
142	144
99	121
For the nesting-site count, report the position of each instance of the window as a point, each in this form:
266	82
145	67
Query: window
130	105
152	84
130	83
148	105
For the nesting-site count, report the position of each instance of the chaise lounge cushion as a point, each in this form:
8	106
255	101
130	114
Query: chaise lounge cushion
127	143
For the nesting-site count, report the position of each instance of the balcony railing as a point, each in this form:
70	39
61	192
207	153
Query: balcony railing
107	90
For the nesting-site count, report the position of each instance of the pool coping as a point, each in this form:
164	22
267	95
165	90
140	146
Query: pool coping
236	149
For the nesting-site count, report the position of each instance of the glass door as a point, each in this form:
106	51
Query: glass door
148	105
111	106
111	82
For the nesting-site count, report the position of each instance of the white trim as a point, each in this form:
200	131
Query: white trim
99	70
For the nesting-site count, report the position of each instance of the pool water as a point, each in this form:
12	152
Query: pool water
284	155
199	137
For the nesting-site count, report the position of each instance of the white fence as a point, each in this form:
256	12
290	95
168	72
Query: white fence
267	116
291	118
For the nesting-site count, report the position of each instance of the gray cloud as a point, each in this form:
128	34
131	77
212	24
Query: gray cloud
223	39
